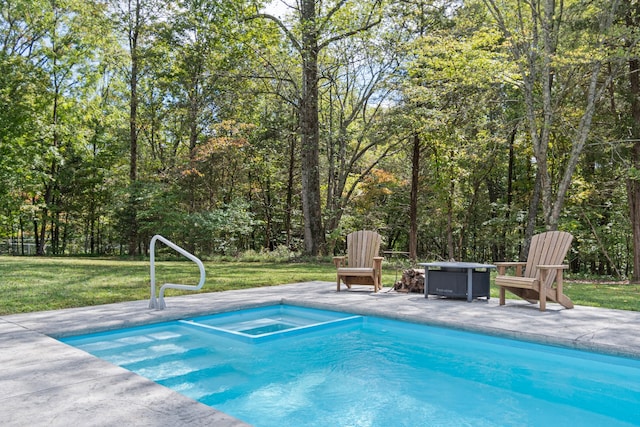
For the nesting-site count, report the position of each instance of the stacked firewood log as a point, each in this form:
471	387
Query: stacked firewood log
412	281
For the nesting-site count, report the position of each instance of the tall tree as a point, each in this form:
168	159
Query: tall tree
68	46
22	103
353	106
320	24
133	18
631	10
560	51
413	20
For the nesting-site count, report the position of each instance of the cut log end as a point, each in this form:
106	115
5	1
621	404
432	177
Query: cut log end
412	281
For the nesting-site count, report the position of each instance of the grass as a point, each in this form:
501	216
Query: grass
37	284
621	296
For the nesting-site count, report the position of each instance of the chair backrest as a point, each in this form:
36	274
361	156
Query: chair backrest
548	248
362	246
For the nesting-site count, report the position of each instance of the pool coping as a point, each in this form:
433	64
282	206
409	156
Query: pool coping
46	382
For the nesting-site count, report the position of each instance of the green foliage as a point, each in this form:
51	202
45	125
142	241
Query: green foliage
219	156
221	231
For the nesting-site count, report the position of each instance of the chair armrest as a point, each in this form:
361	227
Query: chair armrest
552	270
502	267
553	267
339	261
556	270
509	263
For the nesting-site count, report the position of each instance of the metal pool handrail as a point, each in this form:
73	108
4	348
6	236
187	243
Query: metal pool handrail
159	303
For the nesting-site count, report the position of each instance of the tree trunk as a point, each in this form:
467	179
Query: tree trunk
413	202
21	237
290	183
133	128
310	134
633	191
500	245
452	188
36	232
532	218
41	232
633	184
49	192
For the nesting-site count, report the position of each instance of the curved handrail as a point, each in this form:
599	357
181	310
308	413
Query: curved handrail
159	303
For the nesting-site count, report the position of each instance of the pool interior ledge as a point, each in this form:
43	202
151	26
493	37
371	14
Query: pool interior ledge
46	382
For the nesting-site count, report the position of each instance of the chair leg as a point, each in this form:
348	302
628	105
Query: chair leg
564	300
543	297
502	296
338	284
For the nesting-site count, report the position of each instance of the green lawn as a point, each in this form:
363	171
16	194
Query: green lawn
33	284
30	284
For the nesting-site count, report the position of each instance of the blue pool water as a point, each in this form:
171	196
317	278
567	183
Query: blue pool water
289	366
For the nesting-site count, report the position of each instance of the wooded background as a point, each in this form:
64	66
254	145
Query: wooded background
457	129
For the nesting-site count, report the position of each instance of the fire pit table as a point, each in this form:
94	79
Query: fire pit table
457	279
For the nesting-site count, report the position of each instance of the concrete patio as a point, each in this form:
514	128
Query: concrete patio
46	382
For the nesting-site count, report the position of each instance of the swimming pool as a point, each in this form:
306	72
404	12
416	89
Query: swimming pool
370	371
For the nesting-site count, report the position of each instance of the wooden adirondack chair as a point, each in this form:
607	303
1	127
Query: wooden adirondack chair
362	265
543	268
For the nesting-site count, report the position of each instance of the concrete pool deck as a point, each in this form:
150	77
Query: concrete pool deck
46	382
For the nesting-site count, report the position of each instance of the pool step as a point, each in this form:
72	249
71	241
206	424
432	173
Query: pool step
175	359
265	331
